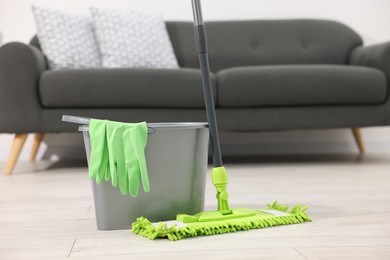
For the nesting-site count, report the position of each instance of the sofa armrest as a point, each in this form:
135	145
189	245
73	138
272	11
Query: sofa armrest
376	56
20	68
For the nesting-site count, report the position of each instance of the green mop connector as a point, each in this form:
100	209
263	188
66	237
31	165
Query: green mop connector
220	181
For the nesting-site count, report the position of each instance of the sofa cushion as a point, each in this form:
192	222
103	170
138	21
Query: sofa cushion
300	85
122	88
129	39
67	40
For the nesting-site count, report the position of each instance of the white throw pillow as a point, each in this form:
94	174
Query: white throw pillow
67	40
130	39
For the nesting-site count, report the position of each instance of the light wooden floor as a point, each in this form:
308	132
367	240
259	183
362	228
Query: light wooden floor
49	214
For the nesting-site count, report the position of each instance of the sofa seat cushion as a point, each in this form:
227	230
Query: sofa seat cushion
122	88
300	85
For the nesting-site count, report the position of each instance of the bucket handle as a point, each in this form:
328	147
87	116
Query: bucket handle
76	119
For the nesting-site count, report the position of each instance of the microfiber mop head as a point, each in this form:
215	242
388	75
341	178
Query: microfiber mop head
213	222
223	220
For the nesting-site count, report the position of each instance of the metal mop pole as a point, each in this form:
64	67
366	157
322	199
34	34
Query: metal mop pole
201	46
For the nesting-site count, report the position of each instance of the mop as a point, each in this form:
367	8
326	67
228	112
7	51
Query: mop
225	219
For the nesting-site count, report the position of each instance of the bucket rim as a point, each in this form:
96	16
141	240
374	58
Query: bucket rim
171	126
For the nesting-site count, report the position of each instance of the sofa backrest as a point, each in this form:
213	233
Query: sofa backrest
263	42
266	42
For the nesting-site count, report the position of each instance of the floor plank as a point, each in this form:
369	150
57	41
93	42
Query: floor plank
267	254
342	253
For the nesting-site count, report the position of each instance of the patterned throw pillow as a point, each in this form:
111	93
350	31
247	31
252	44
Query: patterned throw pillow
68	41
132	40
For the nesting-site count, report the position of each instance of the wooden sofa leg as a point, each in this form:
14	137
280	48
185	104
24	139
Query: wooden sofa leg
36	143
16	148
359	140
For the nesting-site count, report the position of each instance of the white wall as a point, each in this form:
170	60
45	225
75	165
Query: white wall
370	18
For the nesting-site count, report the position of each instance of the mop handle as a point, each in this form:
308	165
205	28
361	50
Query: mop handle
201	46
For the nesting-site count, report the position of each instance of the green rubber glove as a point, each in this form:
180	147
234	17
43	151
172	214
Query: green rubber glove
99	160
134	140
116	155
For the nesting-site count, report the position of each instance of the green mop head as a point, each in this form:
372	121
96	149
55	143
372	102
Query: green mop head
223	220
273	215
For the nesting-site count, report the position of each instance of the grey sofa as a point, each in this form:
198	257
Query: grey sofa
267	75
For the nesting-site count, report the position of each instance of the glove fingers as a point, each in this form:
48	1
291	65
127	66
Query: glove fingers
112	170
107	175
104	165
121	172
92	173
144	173
97	132
125	157
140	141
111	152
123	179
114	176
131	162
134	179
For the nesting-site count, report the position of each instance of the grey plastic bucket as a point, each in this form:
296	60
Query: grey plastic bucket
176	156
